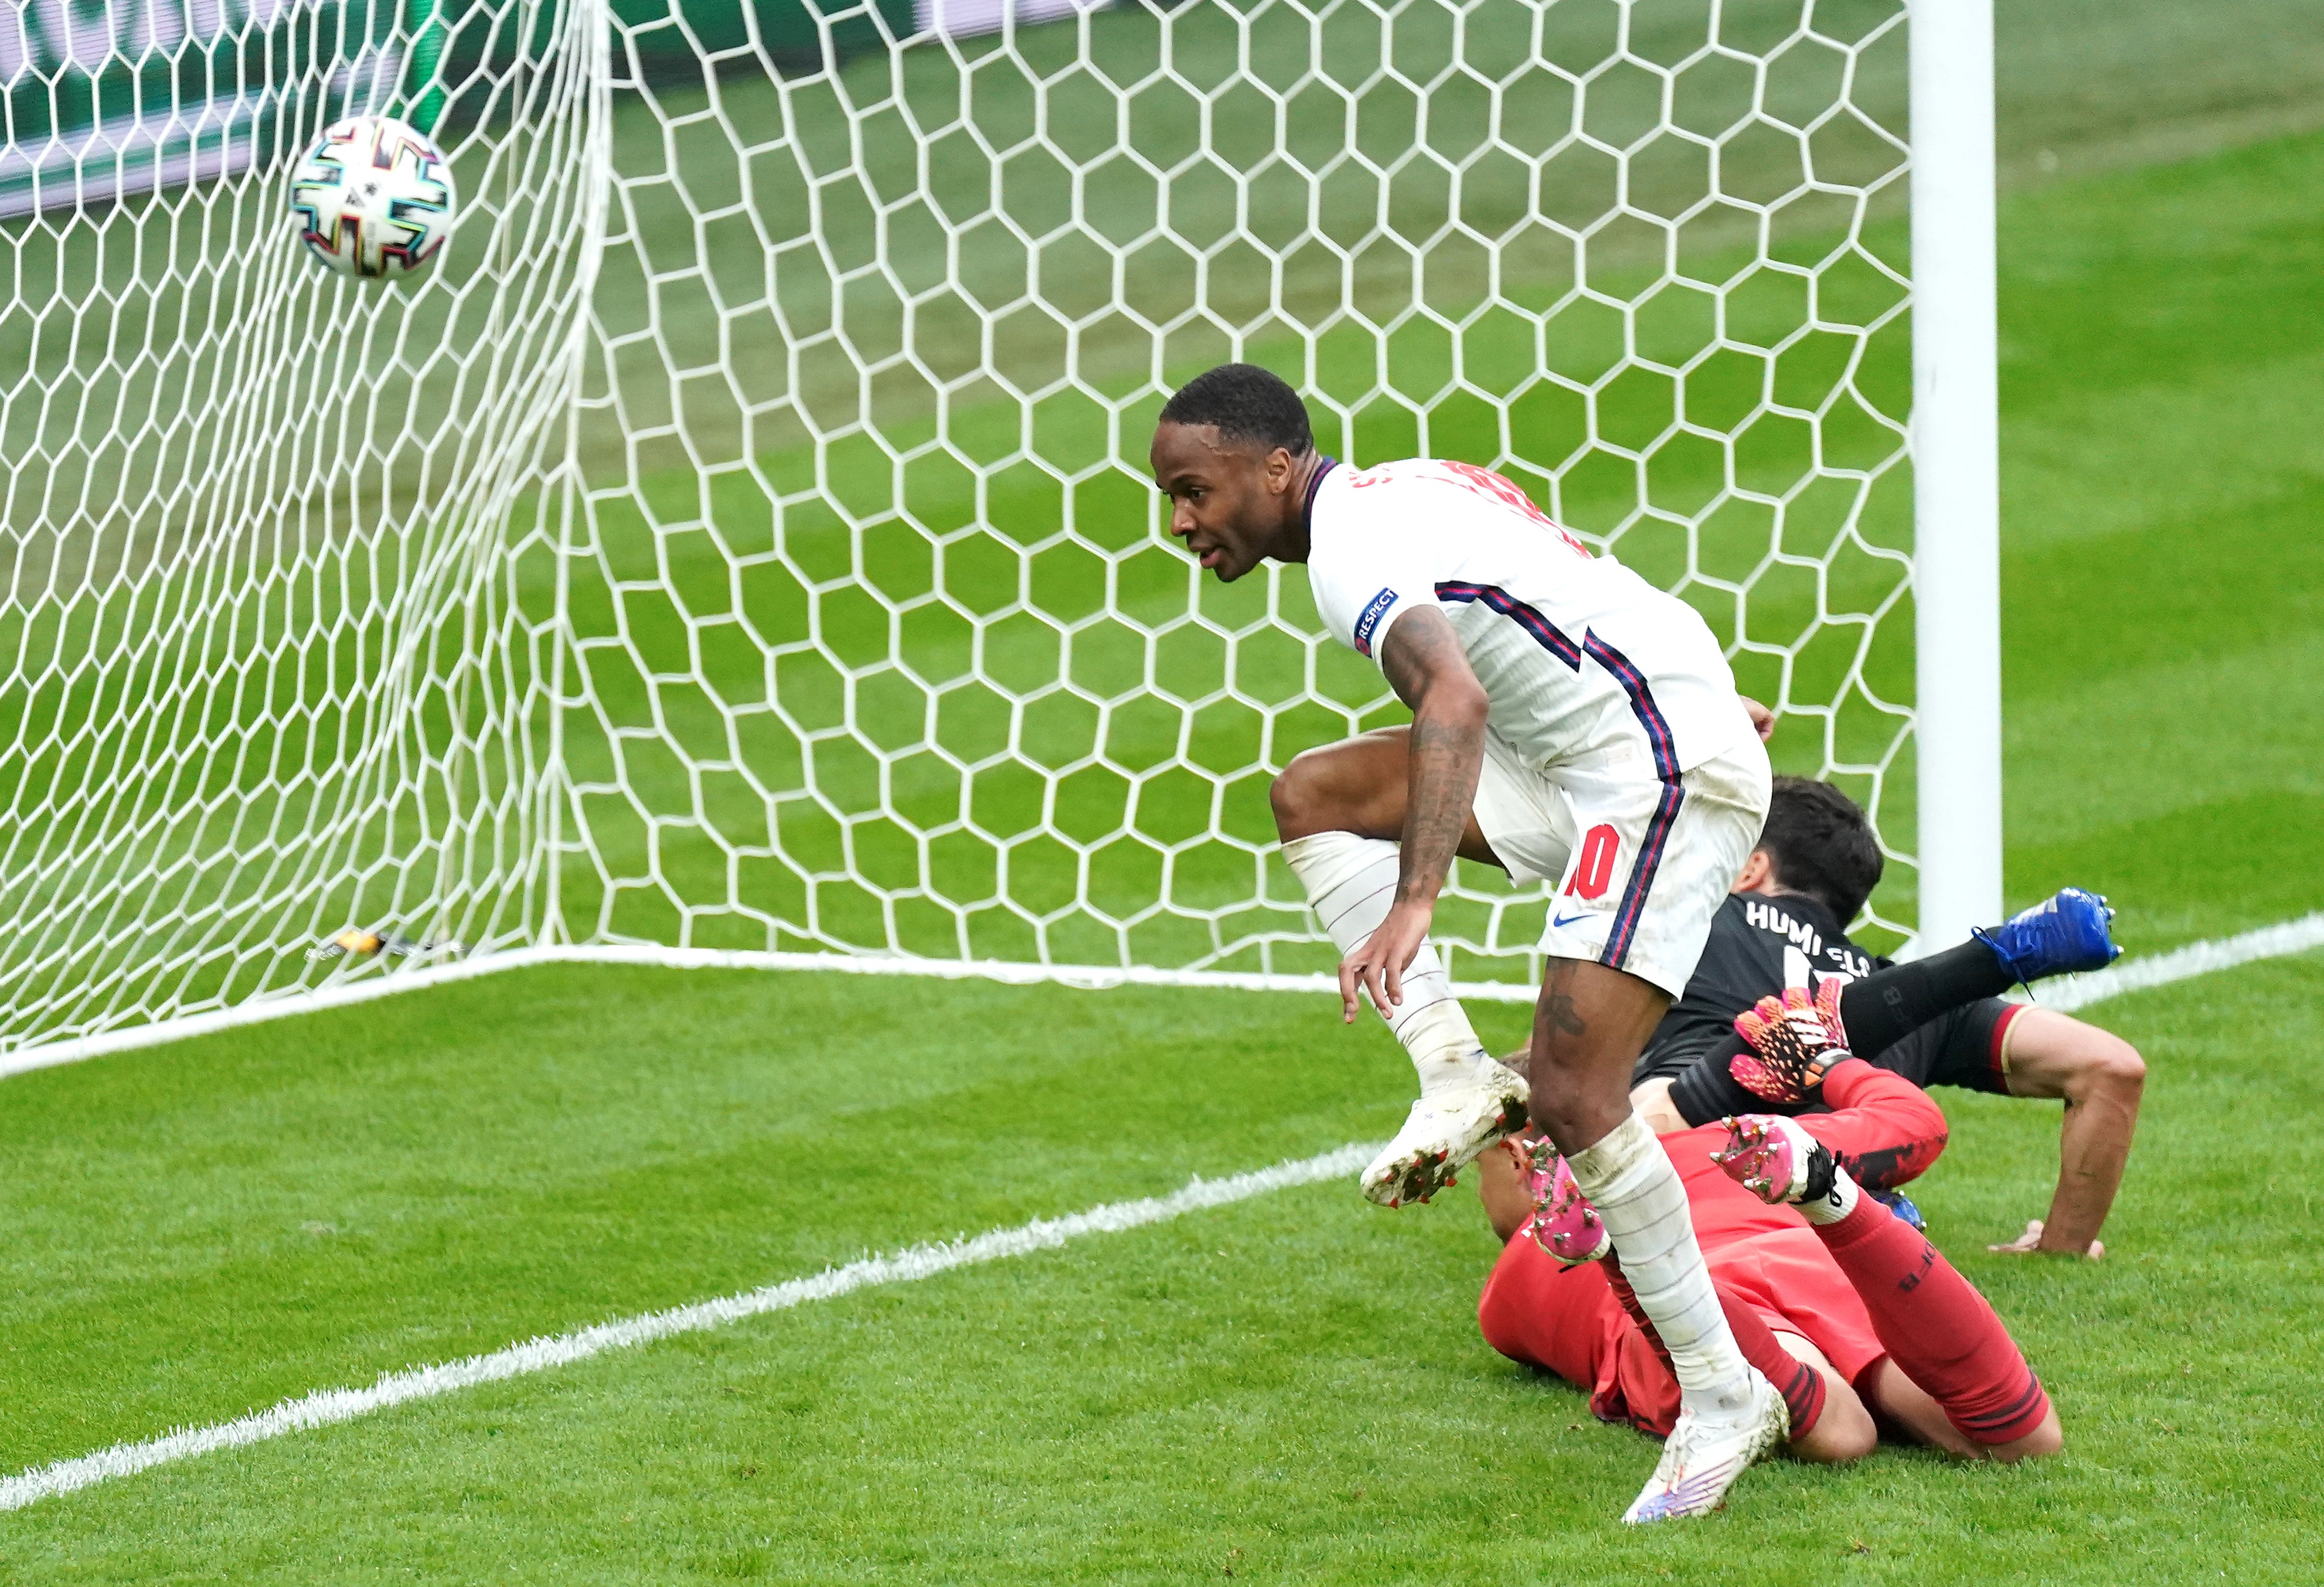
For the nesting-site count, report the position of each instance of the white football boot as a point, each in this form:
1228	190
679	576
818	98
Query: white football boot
1445	1131
1701	1458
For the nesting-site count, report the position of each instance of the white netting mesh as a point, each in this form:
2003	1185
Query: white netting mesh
884	648
265	671
848	623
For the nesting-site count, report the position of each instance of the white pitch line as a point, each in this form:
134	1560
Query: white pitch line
2198	958
2068	992
370	983
327	1406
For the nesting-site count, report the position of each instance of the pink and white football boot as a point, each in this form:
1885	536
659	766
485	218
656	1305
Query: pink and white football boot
1563	1222
1701	1458
1776	1159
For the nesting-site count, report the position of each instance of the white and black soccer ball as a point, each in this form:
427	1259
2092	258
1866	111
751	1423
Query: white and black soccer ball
373	197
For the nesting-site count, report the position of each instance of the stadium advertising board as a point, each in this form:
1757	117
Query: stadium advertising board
111	98
107	98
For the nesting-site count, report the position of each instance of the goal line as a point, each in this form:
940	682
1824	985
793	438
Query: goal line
328	1406
2065	993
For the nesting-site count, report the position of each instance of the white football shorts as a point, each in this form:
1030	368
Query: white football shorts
1642	861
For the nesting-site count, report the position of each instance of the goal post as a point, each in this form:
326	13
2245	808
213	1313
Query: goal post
742	544
270	666
1957	475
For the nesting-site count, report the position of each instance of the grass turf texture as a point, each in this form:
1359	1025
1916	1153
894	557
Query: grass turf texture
1291	1388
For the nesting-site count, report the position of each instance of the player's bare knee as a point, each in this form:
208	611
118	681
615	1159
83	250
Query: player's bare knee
2121	1066
1574	1101
2046	1439
2108	1066
1296	797
1315	793
1845	1432
1589	1026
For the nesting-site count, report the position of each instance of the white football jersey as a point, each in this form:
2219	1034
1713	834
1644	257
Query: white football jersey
1577	653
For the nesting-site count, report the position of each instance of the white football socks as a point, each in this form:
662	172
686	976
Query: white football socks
1351	882
1836	1203
1631	1181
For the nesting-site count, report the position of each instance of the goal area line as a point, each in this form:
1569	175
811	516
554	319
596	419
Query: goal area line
329	1407
332	1407
2065	993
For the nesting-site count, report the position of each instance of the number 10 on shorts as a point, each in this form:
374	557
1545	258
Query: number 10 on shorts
1593	868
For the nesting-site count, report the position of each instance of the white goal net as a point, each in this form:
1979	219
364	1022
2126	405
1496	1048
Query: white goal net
743	540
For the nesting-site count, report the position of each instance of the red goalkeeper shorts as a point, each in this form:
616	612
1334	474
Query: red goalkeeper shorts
1566	1320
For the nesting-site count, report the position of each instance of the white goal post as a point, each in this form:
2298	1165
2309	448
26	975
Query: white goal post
739	543
1956	480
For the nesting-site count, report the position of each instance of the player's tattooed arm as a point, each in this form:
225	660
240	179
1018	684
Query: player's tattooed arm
1430	672
1426	665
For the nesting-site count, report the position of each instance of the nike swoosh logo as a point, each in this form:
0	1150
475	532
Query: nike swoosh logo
1558	919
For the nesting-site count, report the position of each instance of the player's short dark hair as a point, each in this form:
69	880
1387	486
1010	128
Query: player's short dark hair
1818	842
1254	406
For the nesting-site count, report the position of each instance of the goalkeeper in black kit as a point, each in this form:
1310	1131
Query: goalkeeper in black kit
1936	1021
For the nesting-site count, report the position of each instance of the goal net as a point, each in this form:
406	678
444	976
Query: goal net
264	668
743	540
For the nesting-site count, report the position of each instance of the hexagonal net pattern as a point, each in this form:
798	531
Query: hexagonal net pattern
742	539
876	642
264	662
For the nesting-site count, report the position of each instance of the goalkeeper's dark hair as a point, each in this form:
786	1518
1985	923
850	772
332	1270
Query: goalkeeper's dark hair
1247	404
1818	842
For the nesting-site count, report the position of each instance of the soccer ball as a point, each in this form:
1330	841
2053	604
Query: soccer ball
373	197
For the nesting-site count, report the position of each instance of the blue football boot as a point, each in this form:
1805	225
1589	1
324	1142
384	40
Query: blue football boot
1898	1202
2063	932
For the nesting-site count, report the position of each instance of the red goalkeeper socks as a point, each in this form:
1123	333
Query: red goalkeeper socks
1936	1326
1801	1384
1620	1282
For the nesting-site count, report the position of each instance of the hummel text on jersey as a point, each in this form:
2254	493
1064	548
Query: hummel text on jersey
1766	917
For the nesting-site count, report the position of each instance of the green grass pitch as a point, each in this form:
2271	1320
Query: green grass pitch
1290	1390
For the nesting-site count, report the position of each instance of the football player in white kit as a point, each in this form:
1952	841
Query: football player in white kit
1570	723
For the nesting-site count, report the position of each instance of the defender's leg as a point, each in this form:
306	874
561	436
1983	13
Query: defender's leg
1931	1320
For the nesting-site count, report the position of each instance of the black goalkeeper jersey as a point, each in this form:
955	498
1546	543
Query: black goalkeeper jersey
1758	945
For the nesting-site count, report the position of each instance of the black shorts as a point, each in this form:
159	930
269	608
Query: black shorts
1962	1048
